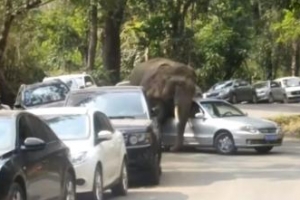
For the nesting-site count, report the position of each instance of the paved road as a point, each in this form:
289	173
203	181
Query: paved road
205	175
269	110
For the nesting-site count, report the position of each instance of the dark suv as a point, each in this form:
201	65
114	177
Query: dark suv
129	112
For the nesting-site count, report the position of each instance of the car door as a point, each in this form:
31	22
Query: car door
277	91
246	90
56	156
106	147
35	162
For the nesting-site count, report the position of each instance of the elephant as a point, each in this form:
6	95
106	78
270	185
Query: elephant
169	86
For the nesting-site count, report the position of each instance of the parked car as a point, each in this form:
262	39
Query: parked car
291	85
129	112
219	124
270	91
234	91
98	150
44	94
75	81
34	163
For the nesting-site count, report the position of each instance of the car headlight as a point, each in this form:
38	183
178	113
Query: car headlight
139	138
250	129
79	158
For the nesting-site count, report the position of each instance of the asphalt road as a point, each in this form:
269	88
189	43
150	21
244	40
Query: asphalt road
204	175
269	110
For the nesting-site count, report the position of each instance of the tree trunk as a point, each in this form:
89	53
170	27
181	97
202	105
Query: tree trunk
294	58
92	35
111	42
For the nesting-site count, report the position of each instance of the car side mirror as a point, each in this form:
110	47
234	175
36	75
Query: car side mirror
88	84
33	144
199	115
104	135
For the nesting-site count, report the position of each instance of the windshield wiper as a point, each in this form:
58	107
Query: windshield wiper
122	117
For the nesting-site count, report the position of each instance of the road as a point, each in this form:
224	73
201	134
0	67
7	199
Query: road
269	110
204	175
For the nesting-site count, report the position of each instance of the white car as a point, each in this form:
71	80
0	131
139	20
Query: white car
75	81
291	84
98	150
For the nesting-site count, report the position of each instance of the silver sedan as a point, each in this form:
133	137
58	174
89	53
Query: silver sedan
219	124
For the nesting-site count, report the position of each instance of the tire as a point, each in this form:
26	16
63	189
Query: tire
254	98
270	98
234	99
224	149
263	150
69	187
16	190
285	99
97	193
154	171
121	188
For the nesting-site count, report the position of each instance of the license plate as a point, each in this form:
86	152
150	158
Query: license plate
271	137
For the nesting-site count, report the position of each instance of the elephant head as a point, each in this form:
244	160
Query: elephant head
164	80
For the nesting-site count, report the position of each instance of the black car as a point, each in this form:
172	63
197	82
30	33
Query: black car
34	163
129	112
50	93
234	91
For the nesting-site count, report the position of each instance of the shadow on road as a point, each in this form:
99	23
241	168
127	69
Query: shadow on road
141	195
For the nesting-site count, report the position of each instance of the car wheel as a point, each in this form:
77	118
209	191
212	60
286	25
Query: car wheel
270	98
285	99
122	186
234	99
16	192
69	187
254	98
98	185
263	150
224	143
155	171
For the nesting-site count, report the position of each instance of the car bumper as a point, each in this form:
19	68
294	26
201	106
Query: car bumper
294	98
139	158
248	140
262	97
85	176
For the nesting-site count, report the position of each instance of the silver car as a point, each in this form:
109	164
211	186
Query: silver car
270	91
219	124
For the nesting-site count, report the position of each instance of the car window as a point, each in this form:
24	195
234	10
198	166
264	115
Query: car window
6	134
125	104
275	84
40	130
194	109
88	79
68	127
45	94
221	109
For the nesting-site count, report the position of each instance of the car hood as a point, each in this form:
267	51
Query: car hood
122	124
77	146
291	89
261	89
49	105
256	122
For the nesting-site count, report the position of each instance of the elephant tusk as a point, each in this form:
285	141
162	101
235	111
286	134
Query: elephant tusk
176	113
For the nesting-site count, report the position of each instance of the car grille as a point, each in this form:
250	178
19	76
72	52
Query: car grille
295	92
267	130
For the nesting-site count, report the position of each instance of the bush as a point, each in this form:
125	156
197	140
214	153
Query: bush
289	124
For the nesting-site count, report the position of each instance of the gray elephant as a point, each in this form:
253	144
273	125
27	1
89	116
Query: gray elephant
170	86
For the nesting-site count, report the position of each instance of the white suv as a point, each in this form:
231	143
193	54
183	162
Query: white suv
75	81
98	150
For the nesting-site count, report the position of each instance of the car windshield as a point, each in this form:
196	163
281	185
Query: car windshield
45	94
260	85
221	109
68	127
129	104
292	82
6	135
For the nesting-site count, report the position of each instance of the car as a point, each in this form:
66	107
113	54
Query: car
219	124
75	81
128	110
51	93
34	163
270	91
234	91
98	150
291	85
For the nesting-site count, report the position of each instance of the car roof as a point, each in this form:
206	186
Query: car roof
62	111
107	88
